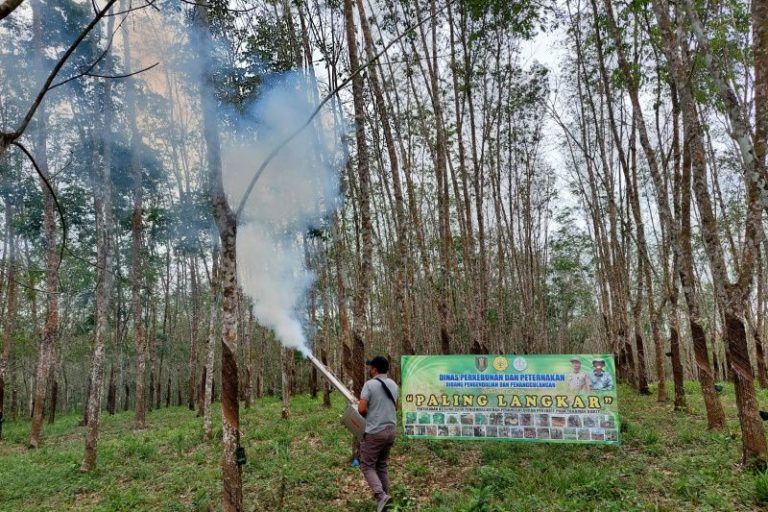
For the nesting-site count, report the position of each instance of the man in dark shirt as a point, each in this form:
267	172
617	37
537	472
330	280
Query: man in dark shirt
378	401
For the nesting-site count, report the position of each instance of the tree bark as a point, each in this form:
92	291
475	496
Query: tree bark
8	6
730	297
365	269
137	236
195	322
112	392
102	181
226	223
10	315
249	358
210	347
51	256
401	253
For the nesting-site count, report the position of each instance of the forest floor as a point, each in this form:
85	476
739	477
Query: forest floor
667	461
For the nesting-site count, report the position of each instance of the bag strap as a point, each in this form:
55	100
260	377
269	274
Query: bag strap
387	391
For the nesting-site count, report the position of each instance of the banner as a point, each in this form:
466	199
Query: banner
534	398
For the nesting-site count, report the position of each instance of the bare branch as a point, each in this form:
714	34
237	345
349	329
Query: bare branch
235	11
48	185
97	75
8	138
125	75
95	62
8	6
150	3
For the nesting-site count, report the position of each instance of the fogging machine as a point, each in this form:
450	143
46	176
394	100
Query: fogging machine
351	419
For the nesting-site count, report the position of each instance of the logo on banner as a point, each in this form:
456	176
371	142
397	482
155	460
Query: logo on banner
500	364
481	363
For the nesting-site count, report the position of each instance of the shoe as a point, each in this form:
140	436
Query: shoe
383	503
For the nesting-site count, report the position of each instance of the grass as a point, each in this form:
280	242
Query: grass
667	461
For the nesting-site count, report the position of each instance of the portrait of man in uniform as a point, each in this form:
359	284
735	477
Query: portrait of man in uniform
577	381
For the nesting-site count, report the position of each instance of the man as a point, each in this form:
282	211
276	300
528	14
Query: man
378	403
577	380
601	381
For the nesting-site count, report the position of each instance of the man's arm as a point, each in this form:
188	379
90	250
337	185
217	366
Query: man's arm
365	395
362	407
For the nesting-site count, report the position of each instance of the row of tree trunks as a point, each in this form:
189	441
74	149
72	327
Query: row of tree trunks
730	296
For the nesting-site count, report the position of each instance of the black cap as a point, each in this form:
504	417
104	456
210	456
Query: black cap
380	363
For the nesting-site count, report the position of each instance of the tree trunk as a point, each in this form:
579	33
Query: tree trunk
226	222
10	315
760	52
112	392
285	380
210	349
248	349
401	254
53	401
195	290
364	272
137	235
51	255
102	181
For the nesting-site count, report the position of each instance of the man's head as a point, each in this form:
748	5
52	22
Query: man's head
576	364
378	364
598	365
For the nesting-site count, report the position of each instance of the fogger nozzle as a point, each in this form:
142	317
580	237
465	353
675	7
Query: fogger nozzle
335	382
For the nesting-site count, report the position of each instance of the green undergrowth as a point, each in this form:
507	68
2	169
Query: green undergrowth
667	461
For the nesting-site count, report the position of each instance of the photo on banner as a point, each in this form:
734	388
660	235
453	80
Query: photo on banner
568	398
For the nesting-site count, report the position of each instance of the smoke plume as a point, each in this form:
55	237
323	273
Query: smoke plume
298	190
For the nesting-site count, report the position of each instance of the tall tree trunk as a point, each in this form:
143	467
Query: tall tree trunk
441	175
401	253
51	254
359	304
226	223
674	346
137	235
10	315
102	181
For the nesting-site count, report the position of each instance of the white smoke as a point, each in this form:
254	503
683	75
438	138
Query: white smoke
298	190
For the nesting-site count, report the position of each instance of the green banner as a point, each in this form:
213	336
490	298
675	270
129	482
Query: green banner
535	398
